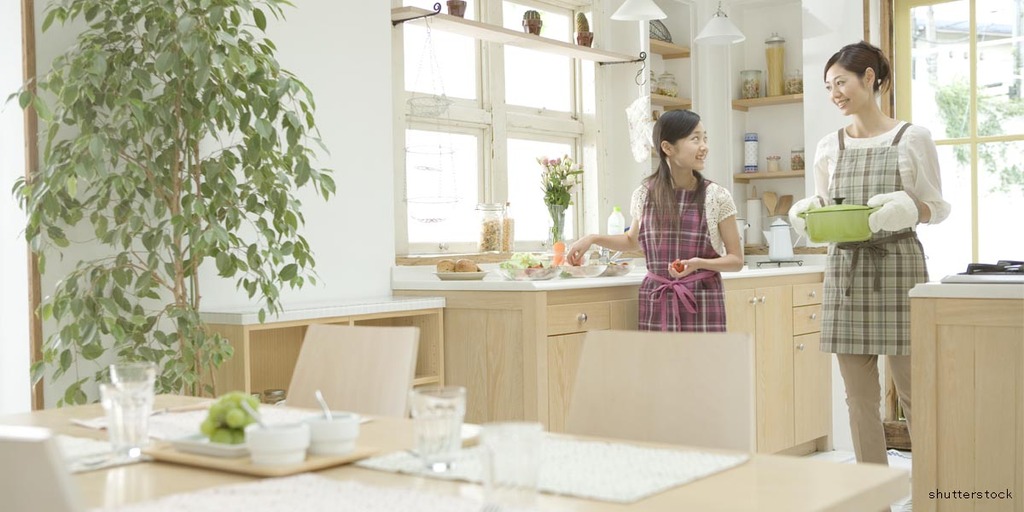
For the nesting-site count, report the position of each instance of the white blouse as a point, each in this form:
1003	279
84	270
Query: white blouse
918	161
718	206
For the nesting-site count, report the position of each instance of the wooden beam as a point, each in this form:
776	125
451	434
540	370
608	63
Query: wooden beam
31	123
886	44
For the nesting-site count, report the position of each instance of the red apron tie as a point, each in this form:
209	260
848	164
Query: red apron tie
682	288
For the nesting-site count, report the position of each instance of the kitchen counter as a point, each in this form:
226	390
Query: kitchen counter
968	291
423	278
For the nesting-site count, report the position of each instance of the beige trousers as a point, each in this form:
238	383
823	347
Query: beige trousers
864	399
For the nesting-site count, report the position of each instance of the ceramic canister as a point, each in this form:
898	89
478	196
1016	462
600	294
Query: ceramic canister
750	152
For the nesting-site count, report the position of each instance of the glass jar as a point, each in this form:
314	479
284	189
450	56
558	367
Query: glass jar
750	84
654	84
795	82
773	163
796	159
508	229
775	57
491	217
273	396
667	85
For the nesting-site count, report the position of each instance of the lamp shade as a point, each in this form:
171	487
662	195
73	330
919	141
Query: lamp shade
639	10
719	30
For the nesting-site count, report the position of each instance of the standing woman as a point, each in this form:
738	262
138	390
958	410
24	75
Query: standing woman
891	164
680	218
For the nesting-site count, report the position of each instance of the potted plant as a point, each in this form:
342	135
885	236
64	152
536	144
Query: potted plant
532	22
584	37
172	129
457	8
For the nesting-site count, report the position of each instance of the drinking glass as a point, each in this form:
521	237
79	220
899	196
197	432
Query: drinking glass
437	424
128	402
510	462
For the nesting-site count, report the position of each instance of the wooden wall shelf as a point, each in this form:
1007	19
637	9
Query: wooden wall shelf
745	105
745	177
671	102
496	34
669	50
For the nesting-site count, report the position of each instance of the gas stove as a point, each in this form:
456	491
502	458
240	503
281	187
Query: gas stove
1003	271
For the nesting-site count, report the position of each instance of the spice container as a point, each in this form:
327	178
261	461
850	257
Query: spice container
667	85
794	82
775	53
491	218
796	159
273	396
773	163
750	84
750	152
508	229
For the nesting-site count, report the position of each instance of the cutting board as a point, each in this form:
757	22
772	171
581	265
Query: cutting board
164	452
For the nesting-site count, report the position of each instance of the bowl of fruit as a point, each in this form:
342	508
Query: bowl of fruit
617	268
524	266
592	269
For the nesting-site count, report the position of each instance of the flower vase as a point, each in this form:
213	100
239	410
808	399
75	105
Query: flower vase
557	232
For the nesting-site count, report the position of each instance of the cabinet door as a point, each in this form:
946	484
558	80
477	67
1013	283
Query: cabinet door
812	383
563	362
624	315
774	362
740	309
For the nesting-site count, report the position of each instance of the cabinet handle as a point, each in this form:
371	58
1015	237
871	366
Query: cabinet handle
800	346
581	318
814	315
753	300
813	294
763	299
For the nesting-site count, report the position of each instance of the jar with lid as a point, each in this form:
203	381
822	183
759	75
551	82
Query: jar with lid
491	217
667	85
273	396
775	53
654	84
796	159
750	83
773	163
508	229
795	82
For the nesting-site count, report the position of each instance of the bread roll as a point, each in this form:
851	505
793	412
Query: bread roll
465	265
446	266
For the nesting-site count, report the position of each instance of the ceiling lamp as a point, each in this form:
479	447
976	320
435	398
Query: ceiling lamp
719	30
639	10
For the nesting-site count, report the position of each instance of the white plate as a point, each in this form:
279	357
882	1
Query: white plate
199	444
460	276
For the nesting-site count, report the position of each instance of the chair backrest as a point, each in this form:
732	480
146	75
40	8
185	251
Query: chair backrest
695	389
363	369
33	475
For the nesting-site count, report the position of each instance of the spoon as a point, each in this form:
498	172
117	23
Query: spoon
252	412
323	405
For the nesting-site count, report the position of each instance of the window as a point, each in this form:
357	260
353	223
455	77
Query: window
503	107
962	80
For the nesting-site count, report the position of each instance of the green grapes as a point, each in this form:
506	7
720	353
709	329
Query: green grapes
226	420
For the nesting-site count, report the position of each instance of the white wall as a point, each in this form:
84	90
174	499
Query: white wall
14	350
342	51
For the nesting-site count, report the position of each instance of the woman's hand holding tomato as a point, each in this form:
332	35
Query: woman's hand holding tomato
681	268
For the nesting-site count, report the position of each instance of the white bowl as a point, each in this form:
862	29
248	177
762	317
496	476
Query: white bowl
277	444
588	270
529	274
335	437
617	268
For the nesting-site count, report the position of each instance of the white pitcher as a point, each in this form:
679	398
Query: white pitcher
780	243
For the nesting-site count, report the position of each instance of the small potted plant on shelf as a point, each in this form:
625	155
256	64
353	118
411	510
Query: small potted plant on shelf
457	8
584	37
532	22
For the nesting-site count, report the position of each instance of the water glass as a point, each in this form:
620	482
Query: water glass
128	402
510	462
437	424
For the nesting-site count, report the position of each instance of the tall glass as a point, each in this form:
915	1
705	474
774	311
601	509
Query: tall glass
128	402
510	460
437	424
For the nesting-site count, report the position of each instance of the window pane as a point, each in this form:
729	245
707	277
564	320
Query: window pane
443	63
940	69
947	246
524	188
441	171
1000	109
536	79
1000	196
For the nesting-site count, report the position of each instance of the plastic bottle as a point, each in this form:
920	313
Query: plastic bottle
616	222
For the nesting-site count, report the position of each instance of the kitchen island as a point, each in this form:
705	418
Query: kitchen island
968	385
516	344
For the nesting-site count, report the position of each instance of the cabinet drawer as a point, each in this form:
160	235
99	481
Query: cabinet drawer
804	294
806	319
568	318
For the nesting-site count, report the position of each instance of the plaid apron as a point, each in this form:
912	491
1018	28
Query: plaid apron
695	303
866	307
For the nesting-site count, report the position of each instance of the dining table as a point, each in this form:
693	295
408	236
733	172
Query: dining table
762	483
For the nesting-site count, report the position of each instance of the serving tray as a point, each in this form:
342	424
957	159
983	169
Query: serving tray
460	276
165	452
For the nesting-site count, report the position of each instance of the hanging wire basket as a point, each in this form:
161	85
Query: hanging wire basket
433	105
430	193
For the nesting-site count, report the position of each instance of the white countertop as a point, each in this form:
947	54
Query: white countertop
249	315
968	291
421	277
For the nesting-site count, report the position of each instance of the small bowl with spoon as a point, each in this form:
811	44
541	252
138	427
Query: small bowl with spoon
333	432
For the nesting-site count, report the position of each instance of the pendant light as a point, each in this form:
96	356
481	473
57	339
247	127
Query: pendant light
719	30
639	10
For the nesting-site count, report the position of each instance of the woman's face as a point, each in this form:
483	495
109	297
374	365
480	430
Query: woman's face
848	92
688	152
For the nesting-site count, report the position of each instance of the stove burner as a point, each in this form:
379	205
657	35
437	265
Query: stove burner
1000	267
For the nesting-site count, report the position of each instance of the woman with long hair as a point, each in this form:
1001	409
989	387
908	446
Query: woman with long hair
686	226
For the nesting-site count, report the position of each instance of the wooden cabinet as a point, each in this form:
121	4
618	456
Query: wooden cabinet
793	378
265	353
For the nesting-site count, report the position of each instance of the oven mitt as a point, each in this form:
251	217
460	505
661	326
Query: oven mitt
898	211
807	203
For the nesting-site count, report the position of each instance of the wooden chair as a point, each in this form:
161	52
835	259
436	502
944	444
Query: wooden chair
683	388
362	369
33	475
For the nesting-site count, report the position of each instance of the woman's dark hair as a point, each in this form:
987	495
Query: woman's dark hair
858	57
672	126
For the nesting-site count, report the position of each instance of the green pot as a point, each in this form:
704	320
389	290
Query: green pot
838	223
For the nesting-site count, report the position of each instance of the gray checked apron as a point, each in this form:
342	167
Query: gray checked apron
866	307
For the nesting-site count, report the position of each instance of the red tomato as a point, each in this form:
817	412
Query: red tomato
678	266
